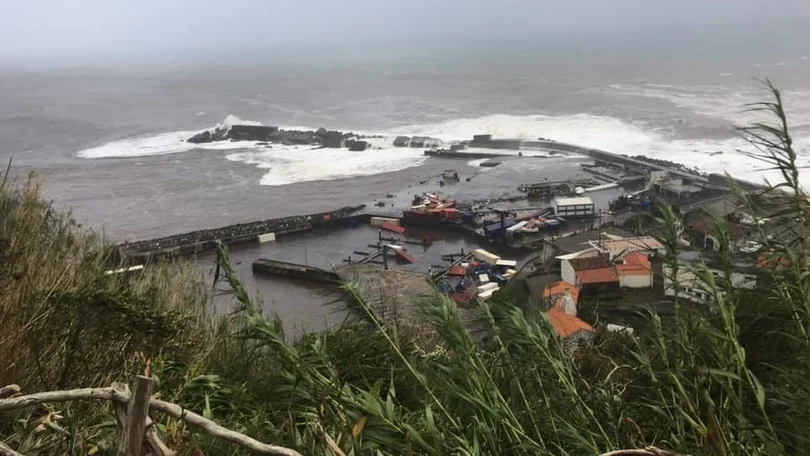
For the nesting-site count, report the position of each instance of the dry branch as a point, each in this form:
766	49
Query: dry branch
9	390
137	411
649	451
173	410
6	451
155	445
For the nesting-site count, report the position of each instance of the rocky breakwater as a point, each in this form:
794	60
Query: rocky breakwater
202	240
321	137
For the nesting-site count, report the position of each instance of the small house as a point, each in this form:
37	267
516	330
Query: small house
598	281
688	284
676	187
566	293
571	266
635	271
574	207
573	331
619	248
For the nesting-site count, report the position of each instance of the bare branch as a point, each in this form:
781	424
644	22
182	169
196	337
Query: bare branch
131	439
649	451
5	450
9	390
173	410
156	445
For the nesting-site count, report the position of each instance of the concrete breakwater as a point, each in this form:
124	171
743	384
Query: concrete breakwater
201	240
640	161
464	155
637	162
295	271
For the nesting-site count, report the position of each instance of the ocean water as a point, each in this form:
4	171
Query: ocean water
110	143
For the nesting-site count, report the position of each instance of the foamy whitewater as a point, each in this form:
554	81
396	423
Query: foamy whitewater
293	164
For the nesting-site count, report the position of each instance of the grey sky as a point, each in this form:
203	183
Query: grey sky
56	29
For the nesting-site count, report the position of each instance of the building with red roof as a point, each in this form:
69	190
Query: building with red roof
635	271
561	288
572	330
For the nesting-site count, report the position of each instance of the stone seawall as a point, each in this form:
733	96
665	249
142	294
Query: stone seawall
202	240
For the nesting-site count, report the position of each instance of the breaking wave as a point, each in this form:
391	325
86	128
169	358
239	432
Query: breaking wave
164	143
291	164
622	137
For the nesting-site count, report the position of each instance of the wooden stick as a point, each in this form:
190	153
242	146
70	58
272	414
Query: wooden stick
137	410
153	441
649	451
9	390
5	450
173	410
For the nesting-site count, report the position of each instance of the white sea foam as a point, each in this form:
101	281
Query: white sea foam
293	164
721	102
166	143
614	135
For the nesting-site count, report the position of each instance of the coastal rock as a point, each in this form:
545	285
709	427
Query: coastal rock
267	134
251	132
333	139
356	145
219	134
201	137
402	141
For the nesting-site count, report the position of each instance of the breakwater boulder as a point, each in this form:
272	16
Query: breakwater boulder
217	134
269	134
251	132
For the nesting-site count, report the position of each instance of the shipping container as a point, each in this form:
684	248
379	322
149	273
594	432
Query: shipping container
487	257
487	286
458	271
267	237
378	221
393	228
485	295
516	226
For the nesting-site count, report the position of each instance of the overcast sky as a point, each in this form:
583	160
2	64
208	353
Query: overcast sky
42	30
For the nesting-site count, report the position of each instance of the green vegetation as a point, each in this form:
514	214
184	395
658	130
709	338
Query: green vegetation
730	382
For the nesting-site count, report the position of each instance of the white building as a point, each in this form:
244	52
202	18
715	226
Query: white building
574	207
692	287
635	271
567	271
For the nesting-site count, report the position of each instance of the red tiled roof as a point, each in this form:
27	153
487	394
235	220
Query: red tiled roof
564	324
582	264
601	275
636	263
772	261
632	270
559	288
705	226
637	258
